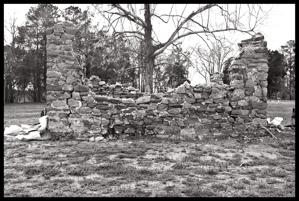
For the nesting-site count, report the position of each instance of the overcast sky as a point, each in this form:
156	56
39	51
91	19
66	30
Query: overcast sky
278	27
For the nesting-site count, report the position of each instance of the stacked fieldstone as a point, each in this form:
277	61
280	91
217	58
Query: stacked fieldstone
90	108
248	81
116	90
63	74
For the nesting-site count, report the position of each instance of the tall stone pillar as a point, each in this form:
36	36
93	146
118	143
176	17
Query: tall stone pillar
248	79
64	79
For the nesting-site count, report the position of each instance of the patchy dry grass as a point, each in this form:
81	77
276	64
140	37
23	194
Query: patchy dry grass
72	171
282	109
149	168
27	113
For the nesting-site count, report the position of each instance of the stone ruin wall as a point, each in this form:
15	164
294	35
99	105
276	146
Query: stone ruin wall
80	109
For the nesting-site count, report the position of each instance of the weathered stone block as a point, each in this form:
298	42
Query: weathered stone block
143	99
71	80
236	112
216	116
59	127
197	95
190	100
243	103
249	91
114	100
96	112
174	111
261	60
208	101
258	105
227	109
53	74
58	27
220	109
128	101
67	87
237	94
188	133
59	104
85	110
66	95
211	110
263	67
129	130
239	120
244	112
155	98
77	125
70	30
186	105
218	94
68	42
249	83
238	84
257	121
66	48
101	83
162	107
67	36
180	89
264	92
49	31
76	96
85	93
81	88
88	99
100	98
51	87
74	103
262	76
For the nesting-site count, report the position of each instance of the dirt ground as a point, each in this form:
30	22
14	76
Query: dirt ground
151	167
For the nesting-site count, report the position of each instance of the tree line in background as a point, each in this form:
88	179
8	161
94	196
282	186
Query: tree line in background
281	75
130	56
99	52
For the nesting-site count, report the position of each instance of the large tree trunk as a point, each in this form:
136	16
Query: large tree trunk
11	93
24	95
5	91
149	59
141	69
87	66
149	66
39	91
45	67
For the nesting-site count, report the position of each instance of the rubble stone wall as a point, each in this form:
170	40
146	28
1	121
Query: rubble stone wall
80	108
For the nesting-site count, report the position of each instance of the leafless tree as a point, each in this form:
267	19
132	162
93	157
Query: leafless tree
211	57
11	28
209	19
10	57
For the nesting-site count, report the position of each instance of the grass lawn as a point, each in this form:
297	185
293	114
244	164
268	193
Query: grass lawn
24	113
148	167
282	109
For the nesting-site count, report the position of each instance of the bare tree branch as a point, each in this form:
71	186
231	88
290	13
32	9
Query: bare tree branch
160	17
129	15
171	39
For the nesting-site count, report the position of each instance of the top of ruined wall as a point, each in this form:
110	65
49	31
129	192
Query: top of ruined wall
62	27
249	71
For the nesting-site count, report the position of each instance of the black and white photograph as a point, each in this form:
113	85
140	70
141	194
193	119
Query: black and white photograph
149	100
